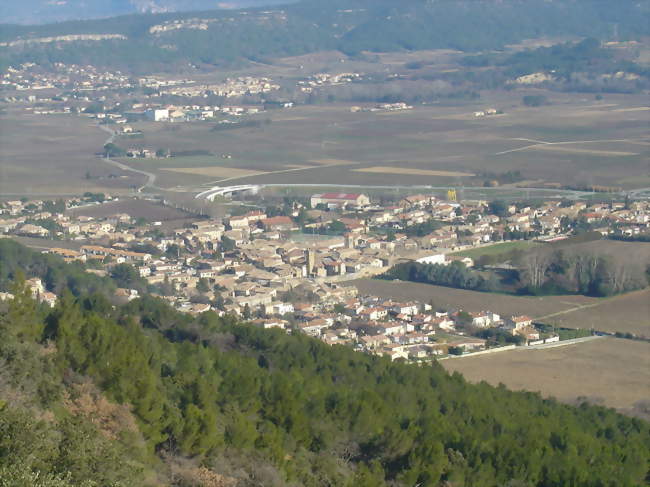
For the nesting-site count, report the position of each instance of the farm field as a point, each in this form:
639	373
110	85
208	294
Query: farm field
134	207
573	140
45	244
628	313
497	249
55	155
609	371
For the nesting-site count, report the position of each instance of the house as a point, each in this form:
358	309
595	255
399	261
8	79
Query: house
30	230
373	313
433	259
49	299
67	255
157	115
394	328
517	323
126	294
236	222
484	319
270	323
277	223
35	286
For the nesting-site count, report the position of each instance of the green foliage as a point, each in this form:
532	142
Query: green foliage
46	223
534	100
563	60
422	229
127	276
113	150
455	275
56	275
227	244
98	197
499	208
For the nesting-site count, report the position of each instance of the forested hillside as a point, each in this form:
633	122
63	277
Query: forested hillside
352	26
47	11
143	395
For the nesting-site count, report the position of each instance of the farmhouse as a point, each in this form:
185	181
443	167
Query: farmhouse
340	200
517	323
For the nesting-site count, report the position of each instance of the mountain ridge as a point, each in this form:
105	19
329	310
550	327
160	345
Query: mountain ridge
171	41
39	12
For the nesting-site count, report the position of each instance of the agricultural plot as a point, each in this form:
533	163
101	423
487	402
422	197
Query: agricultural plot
133	207
608	371
413	171
627	313
55	155
497	249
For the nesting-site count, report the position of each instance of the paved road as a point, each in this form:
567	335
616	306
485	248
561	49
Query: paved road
563	343
151	178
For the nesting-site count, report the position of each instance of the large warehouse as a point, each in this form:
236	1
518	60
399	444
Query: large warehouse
340	200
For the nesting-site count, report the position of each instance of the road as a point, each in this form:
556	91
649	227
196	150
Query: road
565	343
151	178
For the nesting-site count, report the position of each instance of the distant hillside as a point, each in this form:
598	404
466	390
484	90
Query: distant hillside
48	11
169	40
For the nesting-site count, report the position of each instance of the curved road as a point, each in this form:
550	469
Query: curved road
151	178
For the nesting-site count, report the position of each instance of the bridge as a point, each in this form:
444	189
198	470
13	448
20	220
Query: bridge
228	191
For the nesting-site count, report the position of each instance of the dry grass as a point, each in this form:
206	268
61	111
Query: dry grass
331	162
628	313
413	172
608	371
635	109
215	172
573	150
112	419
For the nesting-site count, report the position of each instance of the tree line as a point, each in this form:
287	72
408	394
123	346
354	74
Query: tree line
542	271
456	274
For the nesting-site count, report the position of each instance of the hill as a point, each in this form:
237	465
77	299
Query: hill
211	401
46	11
168	41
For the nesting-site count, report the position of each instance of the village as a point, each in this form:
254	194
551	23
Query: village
291	270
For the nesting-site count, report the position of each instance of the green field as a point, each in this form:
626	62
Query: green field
498	249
